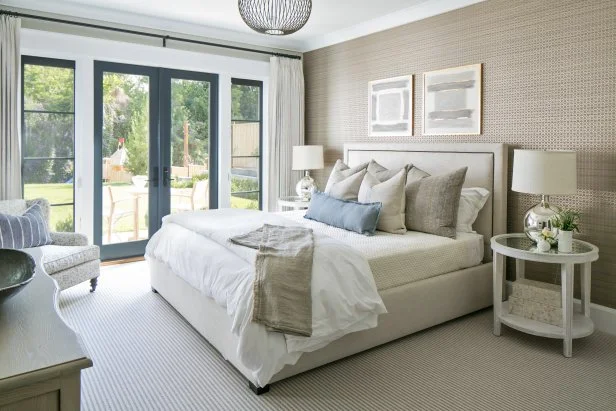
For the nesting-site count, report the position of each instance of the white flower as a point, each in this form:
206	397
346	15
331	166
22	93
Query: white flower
547	233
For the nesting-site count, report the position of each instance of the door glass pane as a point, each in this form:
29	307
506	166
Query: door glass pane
190	139
245	145
125	157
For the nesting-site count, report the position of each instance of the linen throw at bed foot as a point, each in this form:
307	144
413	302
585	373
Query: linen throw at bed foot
283	274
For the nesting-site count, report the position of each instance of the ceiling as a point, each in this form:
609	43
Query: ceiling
331	21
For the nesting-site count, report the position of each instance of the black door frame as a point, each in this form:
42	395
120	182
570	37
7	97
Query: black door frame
159	148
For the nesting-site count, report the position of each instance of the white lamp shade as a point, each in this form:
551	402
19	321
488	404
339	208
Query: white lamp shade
307	157
544	172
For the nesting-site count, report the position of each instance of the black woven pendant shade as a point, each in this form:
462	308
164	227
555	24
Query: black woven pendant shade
275	17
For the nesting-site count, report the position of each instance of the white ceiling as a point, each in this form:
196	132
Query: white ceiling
331	21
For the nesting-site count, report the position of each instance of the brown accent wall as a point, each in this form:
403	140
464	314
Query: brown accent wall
549	82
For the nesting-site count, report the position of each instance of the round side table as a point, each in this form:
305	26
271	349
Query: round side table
518	246
294	202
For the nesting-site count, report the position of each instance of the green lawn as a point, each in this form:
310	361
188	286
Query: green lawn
61	216
63	193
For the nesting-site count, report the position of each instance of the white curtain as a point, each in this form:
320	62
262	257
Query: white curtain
10	158
286	125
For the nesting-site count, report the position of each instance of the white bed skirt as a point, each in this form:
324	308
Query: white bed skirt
411	308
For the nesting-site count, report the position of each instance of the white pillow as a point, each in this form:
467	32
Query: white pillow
390	193
472	201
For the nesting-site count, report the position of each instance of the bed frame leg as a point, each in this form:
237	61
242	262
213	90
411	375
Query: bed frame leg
154	290
258	390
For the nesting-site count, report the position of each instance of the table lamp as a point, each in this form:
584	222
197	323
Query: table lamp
545	173
307	158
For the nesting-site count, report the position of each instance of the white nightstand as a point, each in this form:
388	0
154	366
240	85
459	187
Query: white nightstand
294	202
518	246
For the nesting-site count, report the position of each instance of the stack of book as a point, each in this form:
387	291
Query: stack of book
537	301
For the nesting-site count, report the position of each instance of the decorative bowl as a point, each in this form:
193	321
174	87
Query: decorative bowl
16	271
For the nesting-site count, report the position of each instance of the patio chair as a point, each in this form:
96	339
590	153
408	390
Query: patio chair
114	209
198	198
69	260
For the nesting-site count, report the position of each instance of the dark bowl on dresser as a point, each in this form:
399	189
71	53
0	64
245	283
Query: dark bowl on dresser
16	271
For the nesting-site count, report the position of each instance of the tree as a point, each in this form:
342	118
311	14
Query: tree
137	144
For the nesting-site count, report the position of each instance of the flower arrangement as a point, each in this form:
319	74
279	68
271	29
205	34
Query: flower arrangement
566	220
549	236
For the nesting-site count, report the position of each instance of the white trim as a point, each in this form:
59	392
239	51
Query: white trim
102	14
417	12
423	10
603	317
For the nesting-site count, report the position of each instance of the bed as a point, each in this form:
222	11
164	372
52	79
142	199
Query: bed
419	290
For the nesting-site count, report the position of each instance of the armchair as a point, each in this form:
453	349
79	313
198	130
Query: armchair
69	259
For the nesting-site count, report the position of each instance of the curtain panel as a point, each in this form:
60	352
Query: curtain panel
286	125
10	153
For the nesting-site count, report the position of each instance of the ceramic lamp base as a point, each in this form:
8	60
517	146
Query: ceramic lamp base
539	217
305	186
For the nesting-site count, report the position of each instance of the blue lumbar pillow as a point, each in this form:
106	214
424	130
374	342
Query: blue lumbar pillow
349	215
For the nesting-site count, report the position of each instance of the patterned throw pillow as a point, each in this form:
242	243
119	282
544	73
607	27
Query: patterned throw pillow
24	231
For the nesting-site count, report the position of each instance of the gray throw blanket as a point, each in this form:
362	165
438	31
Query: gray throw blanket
283	275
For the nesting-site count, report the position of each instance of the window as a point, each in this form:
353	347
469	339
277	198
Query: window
246	143
48	136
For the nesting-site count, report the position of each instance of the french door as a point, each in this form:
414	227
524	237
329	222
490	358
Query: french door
155	151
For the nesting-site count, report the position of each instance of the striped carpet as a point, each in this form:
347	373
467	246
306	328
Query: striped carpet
147	358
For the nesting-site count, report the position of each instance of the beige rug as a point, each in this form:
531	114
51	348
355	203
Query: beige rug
146	357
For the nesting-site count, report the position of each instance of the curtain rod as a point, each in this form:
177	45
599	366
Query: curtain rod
162	37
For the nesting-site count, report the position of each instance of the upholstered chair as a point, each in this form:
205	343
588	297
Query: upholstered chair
69	259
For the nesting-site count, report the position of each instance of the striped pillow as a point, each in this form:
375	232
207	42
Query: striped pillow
24	231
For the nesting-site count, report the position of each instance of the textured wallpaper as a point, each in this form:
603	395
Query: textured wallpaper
549	82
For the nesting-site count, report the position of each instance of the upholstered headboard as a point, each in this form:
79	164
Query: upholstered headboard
487	167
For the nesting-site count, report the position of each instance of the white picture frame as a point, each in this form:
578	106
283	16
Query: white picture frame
452	101
390	107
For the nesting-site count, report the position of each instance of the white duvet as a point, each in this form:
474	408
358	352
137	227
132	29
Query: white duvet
196	246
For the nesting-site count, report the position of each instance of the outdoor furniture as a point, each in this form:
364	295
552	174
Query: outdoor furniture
69	259
198	198
115	209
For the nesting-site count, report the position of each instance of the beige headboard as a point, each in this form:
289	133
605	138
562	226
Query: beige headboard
487	167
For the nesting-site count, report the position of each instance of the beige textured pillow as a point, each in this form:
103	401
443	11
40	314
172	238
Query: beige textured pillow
345	180
390	194
382	173
415	174
432	203
348	188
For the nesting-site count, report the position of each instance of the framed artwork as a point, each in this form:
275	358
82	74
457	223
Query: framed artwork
452	101
390	107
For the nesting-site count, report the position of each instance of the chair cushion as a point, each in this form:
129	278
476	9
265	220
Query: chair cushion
58	258
13	207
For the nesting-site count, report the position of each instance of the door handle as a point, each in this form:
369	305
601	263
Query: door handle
167	177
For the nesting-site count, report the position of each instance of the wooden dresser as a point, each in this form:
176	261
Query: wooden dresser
41	357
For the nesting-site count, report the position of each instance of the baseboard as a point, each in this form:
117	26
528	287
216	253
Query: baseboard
123	260
603	317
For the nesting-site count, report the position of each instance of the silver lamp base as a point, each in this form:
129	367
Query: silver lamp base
539	217
305	186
